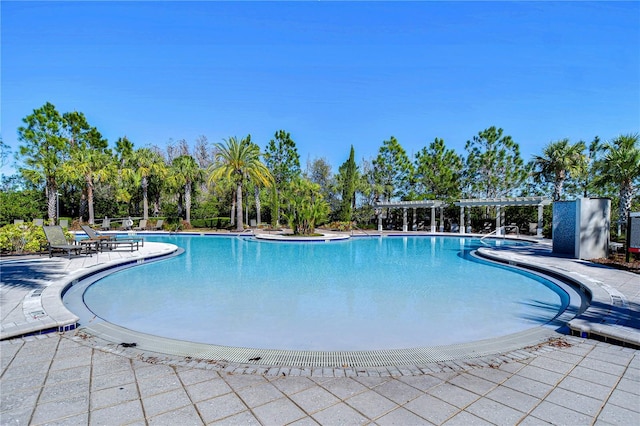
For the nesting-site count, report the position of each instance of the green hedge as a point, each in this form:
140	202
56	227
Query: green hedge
24	238
213	223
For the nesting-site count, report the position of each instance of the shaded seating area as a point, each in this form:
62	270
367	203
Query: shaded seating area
464	226
56	241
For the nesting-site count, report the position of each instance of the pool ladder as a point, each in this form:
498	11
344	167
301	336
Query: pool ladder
245	233
503	233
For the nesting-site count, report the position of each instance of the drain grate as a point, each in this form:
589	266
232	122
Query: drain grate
333	359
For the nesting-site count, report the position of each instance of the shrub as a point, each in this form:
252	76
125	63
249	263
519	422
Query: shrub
23	238
340	226
213	222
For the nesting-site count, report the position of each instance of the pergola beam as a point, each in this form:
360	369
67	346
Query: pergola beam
500	203
504	201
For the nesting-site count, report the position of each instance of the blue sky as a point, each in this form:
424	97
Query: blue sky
330	73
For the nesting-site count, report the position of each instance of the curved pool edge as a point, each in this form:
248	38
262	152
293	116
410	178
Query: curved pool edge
243	357
56	315
608	315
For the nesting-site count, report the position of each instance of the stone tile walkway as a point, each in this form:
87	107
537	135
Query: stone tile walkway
62	379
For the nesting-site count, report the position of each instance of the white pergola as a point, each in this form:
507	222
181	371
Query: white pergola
420	204
499	203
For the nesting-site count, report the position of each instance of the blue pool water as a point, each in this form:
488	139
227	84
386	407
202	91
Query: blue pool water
362	294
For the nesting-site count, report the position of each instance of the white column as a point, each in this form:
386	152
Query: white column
414	227
498	222
462	223
540	224
380	221
433	219
441	218
404	219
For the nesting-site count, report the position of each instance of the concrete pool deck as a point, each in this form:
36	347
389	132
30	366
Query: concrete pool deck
72	378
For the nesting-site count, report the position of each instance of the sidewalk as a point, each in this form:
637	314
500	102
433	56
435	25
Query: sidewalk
72	378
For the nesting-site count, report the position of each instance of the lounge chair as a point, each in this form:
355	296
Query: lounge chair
141	226
93	235
157	226
106	224
57	241
126	224
64	223
111	241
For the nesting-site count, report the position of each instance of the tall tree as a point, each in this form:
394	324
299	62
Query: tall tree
348	173
559	161
438	172
146	164
319	172
91	166
587	172
392	170
621	166
44	149
282	159
237	160
201	152
88	160
5	150
124	150
185	172
494	166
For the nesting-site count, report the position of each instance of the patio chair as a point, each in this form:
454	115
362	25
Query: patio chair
157	226
64	223
126	224
106	224
57	241
93	235
111	241
141	226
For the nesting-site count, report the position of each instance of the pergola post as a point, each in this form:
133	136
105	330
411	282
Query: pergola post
539	229
433	219
380	221
414	227
498	222
462	223
404	219
441	219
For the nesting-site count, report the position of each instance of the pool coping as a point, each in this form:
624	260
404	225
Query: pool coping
607	317
56	316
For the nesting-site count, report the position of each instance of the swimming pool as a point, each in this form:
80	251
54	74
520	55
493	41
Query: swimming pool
360	294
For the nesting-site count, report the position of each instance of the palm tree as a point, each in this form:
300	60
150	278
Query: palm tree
91	166
560	160
621	166
185	172
238	160
146	163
